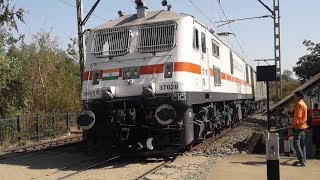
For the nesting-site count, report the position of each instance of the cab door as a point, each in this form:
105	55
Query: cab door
204	60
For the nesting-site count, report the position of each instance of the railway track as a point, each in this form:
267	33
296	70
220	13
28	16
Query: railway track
209	140
81	169
47	145
90	167
198	147
152	170
109	160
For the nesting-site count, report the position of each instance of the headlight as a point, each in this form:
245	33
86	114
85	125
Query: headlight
131	73
128	74
96	76
168	69
165	114
136	73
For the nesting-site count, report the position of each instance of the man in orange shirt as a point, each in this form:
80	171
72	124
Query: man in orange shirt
299	125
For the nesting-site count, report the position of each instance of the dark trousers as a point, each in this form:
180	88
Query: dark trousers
299	144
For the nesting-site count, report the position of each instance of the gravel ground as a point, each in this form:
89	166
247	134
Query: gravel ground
184	167
195	165
236	141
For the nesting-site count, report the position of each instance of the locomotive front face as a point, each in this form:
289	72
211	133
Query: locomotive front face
131	89
127	62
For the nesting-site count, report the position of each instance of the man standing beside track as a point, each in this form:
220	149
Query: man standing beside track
299	126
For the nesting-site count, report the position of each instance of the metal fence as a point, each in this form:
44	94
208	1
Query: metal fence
36	127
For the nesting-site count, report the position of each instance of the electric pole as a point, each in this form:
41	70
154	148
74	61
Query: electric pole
277	48
81	23
80	37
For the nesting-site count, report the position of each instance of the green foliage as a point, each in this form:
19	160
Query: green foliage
288	85
37	77
53	76
308	65
287	75
12	85
9	14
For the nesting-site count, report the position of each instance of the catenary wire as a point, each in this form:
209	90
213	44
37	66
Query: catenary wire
69	4
210	22
224	14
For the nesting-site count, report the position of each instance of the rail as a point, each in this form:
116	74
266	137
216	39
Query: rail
90	167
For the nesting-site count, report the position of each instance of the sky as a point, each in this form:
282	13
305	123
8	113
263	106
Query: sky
298	22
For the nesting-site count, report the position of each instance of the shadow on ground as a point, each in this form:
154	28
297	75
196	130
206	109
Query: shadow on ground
72	158
262	163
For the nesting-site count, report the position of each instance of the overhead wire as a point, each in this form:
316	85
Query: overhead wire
210	21
69	4
225	22
241	19
202	13
231	29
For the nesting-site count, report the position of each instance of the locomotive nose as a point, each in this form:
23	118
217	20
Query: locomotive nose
86	119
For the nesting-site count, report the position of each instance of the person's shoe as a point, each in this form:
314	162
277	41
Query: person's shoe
298	164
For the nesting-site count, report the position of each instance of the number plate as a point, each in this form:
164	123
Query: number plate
165	87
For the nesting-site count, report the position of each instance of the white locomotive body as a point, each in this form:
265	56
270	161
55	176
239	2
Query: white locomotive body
161	81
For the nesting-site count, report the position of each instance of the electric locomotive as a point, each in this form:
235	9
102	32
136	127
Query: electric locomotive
159	81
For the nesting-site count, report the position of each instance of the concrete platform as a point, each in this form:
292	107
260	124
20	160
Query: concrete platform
253	167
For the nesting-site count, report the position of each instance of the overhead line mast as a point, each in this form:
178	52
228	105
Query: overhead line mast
277	50
81	23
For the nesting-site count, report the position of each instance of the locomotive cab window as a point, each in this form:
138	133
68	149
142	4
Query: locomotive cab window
215	48
196	39
231	62
203	43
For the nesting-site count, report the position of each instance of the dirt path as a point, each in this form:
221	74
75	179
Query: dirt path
253	167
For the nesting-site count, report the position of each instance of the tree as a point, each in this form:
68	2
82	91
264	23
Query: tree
308	65
287	75
12	82
9	15
289	84
53	75
12	85
37	77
